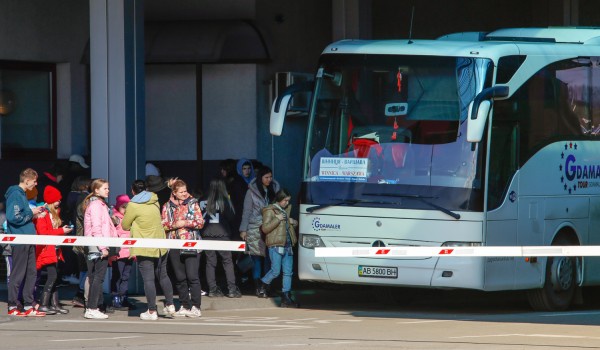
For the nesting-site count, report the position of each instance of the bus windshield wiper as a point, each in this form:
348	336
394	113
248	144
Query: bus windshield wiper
347	202
419	197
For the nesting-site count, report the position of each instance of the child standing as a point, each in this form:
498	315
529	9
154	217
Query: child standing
121	264
280	238
97	223
47	256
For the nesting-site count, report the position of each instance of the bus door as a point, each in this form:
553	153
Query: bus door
502	215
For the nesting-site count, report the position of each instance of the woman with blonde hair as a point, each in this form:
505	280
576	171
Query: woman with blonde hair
47	256
97	223
182	219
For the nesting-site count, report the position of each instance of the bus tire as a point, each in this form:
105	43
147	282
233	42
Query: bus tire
560	283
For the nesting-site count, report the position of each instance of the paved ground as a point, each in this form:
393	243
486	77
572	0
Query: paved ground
330	318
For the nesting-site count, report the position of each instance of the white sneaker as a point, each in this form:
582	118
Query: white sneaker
148	316
169	311
182	312
194	312
95	314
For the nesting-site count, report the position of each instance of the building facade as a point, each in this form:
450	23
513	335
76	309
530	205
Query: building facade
186	84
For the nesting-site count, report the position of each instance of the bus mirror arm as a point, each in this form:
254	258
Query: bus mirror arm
280	105
498	91
305	86
479	110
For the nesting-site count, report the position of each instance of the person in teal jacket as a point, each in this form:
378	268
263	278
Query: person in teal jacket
19	221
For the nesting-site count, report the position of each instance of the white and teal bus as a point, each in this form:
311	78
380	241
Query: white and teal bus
474	139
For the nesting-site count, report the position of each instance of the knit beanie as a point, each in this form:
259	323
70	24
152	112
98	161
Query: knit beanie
121	199
51	194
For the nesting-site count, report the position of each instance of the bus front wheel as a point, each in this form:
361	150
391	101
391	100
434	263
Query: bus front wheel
559	286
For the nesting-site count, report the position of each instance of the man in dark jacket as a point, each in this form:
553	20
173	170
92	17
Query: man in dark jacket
19	220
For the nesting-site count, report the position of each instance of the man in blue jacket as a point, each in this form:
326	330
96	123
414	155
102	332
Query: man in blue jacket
19	220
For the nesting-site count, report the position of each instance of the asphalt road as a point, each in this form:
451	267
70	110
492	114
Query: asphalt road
330	318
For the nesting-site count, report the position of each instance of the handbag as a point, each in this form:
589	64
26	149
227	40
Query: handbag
192	235
188	252
245	263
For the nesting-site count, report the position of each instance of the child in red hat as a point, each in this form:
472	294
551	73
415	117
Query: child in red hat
47	255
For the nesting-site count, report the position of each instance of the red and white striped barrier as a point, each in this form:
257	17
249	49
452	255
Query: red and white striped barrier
495	251
236	246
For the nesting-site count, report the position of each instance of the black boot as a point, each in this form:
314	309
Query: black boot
117	303
126	303
288	301
56	304
257	284
263	292
44	300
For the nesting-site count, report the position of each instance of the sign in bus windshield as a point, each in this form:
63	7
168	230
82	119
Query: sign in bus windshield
343	169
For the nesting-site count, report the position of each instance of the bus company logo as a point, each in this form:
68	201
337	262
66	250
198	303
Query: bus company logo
574	175
319	226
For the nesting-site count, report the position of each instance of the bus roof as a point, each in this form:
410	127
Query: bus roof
569	35
558	41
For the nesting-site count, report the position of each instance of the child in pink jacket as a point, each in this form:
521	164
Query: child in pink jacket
121	263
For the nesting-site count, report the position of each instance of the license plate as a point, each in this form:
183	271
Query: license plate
377	271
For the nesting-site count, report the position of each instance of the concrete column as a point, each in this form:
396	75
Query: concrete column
352	19
571	12
117	92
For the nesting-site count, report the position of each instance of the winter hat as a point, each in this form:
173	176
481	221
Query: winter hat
121	199
51	194
31	194
155	183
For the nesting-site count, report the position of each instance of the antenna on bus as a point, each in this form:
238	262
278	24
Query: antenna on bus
412	16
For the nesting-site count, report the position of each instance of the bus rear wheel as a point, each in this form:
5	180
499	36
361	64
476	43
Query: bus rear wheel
559	286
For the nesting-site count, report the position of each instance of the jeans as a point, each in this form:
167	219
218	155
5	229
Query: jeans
279	261
96	273
187	277
119	283
151	268
260	264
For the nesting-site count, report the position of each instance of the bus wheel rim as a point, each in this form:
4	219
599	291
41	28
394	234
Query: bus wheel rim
563	276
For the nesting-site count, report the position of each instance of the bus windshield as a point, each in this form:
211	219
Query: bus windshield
384	128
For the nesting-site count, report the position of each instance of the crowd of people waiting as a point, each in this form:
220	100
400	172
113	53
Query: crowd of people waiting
243	203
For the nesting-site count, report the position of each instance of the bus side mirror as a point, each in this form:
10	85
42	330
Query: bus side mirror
476	125
278	115
480	109
281	104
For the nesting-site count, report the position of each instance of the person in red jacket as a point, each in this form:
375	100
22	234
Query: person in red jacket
47	255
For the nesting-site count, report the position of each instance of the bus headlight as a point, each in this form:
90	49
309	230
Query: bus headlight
311	241
461	244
